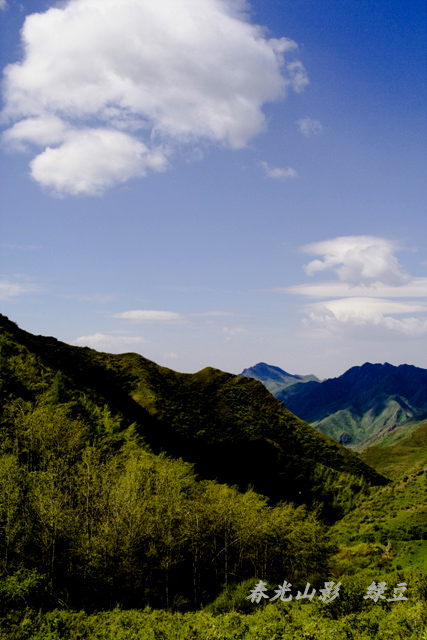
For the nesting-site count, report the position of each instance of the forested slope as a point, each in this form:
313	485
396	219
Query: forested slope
91	516
100	504
231	427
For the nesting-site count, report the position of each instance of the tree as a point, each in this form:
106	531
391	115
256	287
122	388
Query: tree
12	524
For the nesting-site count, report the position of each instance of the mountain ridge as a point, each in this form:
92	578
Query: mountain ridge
275	378
364	400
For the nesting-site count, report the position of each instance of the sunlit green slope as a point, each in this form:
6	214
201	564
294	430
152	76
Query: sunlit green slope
231	427
395	515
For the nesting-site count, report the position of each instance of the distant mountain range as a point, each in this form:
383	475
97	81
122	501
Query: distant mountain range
355	409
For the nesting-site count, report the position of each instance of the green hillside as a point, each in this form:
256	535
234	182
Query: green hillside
359	430
401	453
123	483
230	427
94	511
395	515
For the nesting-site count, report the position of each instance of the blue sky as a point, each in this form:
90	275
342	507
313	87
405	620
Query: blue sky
210	183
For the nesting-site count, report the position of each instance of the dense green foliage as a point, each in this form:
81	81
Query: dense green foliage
124	484
275	622
106	521
86	504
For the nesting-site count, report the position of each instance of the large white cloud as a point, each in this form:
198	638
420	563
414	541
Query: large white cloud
358	260
164	72
371	289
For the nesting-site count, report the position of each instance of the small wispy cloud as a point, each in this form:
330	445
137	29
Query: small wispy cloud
297	76
212	314
112	343
172	355
278	173
232	332
309	127
144	315
3	5
9	289
98	298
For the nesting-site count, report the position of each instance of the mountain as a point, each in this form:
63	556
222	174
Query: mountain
361	402
229	426
364	404
115	479
274	378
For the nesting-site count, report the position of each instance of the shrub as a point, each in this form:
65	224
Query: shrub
25	588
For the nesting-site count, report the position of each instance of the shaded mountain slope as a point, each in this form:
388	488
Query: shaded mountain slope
364	401
231	427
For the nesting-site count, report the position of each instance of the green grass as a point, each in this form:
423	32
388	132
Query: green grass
388	436
400	456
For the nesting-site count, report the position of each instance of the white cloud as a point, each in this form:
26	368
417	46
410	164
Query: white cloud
212	314
42	131
3	5
100	76
297	76
141	315
92	160
172	355
231	332
10	290
372	288
358	260
278	173
309	127
414	288
109	342
368	317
